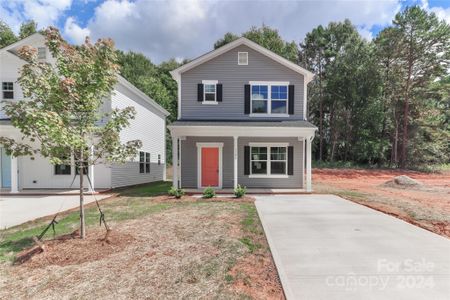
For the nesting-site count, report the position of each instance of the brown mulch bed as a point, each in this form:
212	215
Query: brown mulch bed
71	250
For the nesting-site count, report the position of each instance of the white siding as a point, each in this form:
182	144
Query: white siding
39	173
149	127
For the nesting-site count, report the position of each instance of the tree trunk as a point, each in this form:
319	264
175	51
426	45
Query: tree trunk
82	223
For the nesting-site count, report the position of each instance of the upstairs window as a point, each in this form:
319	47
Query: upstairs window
8	90
210	92
269	98
144	162
42	53
242	58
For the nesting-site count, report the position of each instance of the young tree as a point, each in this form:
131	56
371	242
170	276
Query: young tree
62	116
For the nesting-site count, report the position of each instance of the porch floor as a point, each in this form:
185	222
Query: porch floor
252	191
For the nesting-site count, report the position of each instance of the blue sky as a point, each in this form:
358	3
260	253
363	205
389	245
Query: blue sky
187	28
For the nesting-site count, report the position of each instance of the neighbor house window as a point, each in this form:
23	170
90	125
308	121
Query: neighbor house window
85	168
242	58
144	162
269	98
268	160
42	53
8	90
63	170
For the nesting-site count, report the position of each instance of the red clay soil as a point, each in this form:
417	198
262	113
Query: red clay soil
427	205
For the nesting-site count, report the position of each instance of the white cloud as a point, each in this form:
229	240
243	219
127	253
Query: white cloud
188	28
365	33
44	12
75	33
441	13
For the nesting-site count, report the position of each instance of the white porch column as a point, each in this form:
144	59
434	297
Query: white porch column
91	172
175	162
14	175
235	152
308	164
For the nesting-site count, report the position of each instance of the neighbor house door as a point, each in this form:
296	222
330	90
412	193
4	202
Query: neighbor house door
210	166
5	164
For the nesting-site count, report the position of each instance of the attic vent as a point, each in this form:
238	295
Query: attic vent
242	58
42	53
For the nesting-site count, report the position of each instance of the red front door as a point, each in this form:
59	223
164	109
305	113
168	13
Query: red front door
210	166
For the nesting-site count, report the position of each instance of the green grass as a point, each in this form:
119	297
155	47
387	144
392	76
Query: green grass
148	190
15	239
251	226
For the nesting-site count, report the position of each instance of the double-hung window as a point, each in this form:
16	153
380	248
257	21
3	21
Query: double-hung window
209	91
269	98
268	160
144	162
8	90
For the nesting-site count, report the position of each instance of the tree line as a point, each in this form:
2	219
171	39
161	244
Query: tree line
383	102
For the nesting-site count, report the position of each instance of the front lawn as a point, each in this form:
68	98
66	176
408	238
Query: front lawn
160	248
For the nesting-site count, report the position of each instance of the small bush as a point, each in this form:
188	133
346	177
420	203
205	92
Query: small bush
240	191
209	192
177	193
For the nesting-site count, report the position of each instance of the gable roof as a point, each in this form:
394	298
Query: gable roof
19	42
120	80
242	41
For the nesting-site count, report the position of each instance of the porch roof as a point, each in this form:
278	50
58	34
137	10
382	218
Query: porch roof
245	123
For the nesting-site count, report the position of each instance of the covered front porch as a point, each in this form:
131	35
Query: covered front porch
202	149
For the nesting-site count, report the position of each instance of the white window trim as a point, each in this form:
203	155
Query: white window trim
199	163
215	82
269	99
239	63
268	146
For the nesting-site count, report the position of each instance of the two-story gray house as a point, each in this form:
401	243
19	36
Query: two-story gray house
242	120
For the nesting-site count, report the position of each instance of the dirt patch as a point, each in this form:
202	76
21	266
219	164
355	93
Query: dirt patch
426	204
71	250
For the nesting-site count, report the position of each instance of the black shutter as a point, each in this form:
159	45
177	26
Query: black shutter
290	160
246	160
219	92
291	99
247	99
200	92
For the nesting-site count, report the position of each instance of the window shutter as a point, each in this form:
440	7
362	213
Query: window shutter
246	160
290	160
219	92
291	99
247	99
200	92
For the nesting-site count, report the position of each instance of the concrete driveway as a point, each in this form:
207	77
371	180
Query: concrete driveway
326	247
17	209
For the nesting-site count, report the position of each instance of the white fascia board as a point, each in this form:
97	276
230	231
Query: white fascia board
241	131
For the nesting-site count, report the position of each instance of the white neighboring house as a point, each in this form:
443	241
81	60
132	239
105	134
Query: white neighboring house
149	126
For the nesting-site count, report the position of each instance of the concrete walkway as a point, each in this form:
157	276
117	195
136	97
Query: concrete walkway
15	210
326	247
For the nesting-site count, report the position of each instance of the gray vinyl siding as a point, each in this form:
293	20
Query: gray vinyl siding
128	174
189	163
233	77
189	160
